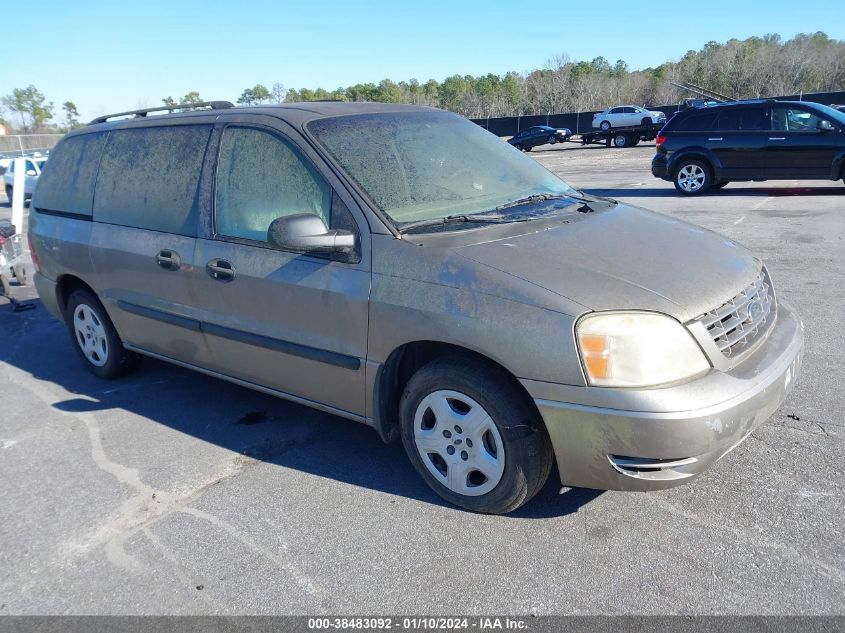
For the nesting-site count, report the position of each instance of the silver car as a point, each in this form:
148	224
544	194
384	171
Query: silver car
401	267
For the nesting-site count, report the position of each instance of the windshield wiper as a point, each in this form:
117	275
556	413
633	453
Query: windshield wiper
542	197
480	218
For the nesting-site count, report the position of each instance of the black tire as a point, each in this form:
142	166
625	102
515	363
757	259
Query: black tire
552	139
605	126
719	184
635	140
518	146
9	191
528	148
621	140
118	360
692	169
526	449
646	121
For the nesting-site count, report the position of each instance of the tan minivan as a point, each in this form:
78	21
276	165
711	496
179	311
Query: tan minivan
402	267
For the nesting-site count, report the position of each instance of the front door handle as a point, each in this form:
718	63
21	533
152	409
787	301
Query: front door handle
716	139
777	138
220	269
169	260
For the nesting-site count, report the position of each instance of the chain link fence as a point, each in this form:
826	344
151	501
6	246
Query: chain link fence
20	144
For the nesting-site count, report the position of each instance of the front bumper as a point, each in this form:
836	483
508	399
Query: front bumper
667	436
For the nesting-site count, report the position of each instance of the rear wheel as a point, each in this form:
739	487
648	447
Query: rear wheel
621	140
473	436
605	125
95	339
692	177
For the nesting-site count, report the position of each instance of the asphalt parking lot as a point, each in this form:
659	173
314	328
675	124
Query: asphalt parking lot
170	492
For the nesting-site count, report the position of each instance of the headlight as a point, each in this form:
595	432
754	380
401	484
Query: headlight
637	349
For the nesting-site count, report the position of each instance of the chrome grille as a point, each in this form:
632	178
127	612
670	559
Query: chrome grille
738	323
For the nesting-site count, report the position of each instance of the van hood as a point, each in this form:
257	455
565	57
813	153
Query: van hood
625	258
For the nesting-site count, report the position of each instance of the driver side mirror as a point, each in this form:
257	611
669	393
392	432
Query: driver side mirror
825	126
307	233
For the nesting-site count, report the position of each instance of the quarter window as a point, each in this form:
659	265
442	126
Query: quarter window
260	177
68	183
698	122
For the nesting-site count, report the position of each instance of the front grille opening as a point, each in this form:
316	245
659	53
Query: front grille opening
740	322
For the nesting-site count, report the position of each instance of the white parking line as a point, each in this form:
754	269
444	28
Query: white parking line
740	220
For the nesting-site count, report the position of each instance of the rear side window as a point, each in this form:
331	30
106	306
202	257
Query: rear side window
698	122
149	178
66	183
742	119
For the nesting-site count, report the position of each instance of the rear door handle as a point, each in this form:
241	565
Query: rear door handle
169	260
220	269
716	139
777	138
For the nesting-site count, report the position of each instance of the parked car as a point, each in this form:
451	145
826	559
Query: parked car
701	150
33	167
626	116
697	103
539	135
841	108
400	267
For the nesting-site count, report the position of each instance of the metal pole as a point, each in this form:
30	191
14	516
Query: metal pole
18	193
20	143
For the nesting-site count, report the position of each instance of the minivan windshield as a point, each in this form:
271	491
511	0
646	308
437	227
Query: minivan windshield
425	165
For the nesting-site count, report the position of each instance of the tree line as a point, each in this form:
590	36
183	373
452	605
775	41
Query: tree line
754	67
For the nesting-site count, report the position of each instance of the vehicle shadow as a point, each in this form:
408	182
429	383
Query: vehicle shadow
244	421
669	192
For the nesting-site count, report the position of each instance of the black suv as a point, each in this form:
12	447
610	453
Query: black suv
706	148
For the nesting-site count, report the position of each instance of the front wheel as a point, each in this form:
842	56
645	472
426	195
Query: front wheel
473	437
692	177
95	339
646	121
9	192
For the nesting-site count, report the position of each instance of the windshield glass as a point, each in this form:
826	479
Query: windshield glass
427	165
833	113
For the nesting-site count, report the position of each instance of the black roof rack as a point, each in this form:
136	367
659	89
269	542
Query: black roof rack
214	105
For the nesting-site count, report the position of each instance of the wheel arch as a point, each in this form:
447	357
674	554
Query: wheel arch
837	170
66	285
393	375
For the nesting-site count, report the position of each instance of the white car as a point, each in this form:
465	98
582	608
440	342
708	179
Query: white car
627	116
33	167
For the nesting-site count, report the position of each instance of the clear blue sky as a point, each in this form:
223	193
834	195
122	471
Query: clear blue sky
109	56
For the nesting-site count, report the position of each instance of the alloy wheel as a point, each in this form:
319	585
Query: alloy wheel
691	178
